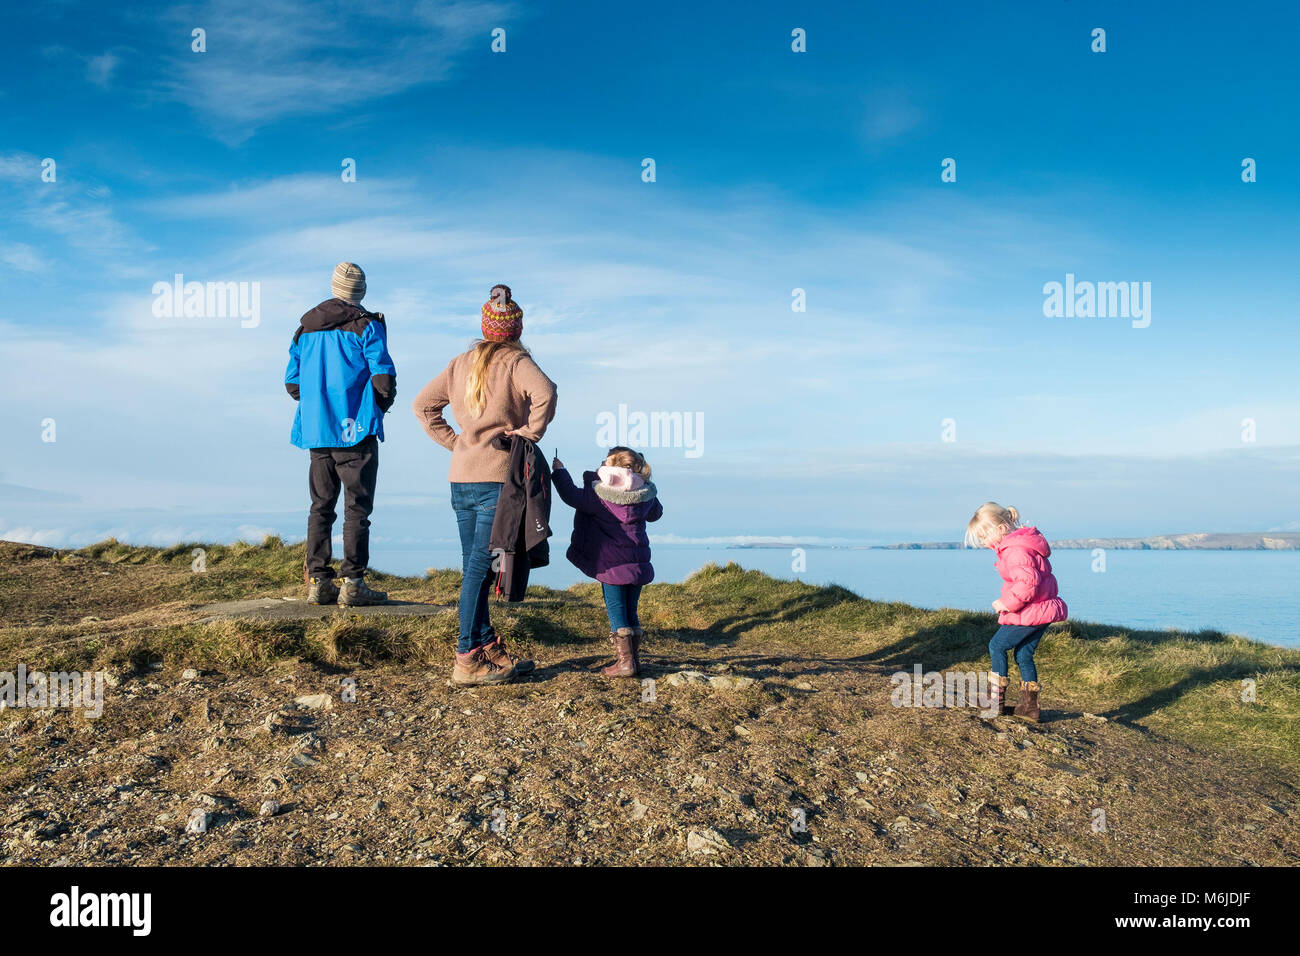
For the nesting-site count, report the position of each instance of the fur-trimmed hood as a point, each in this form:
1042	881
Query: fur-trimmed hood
621	496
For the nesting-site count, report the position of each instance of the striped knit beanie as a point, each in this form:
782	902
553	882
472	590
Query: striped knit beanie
503	320
349	282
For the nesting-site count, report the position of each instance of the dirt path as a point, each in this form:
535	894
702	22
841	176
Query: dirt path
296	609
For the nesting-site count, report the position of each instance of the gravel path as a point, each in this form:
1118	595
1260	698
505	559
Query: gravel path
296	609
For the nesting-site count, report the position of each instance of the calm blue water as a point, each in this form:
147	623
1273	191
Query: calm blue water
1251	593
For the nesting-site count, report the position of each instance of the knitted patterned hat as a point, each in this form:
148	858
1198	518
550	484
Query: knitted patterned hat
349	282
503	320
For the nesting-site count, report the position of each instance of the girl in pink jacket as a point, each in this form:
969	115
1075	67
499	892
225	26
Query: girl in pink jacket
1028	602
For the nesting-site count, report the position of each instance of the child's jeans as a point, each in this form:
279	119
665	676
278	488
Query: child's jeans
1024	640
620	603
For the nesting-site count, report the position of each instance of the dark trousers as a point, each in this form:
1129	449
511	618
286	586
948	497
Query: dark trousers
1022	639
354	470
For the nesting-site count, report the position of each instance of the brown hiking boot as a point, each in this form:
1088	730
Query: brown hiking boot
322	591
1027	707
354	593
477	668
499	655
625	663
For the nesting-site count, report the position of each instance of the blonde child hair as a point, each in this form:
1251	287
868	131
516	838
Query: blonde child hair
989	518
622	457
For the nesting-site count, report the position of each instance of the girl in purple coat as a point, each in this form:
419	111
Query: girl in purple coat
610	542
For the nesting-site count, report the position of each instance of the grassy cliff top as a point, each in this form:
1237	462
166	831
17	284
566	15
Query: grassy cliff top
1149	727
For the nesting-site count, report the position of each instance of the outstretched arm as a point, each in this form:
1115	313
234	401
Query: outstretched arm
573	496
564	486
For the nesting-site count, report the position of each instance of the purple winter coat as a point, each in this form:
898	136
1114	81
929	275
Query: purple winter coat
609	539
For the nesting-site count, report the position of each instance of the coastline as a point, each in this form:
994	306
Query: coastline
1195	541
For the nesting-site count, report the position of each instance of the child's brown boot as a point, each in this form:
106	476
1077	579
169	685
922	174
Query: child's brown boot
1027	706
625	663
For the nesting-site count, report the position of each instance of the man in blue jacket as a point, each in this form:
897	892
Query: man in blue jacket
344	381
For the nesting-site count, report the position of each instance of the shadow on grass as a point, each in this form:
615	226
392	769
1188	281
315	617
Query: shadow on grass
548	632
1166	696
937	648
957	642
728	630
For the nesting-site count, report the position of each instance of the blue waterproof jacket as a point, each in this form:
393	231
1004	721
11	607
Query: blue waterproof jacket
341	374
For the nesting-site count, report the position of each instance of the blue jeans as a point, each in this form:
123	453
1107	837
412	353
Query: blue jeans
475	504
1024	641
620	604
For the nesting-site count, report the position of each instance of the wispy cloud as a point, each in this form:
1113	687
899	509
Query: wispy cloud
74	212
22	257
269	59
20	168
295	198
100	68
890	113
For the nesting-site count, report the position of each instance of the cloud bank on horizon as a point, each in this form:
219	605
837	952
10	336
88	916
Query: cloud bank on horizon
838	270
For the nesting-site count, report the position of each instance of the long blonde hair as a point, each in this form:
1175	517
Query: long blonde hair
476	385
989	518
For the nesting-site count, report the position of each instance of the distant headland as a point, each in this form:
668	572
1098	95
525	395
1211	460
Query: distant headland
1238	541
1242	541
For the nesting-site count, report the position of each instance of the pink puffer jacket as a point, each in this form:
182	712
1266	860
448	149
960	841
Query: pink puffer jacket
1029	587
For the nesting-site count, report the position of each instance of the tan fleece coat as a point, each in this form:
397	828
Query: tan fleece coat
518	396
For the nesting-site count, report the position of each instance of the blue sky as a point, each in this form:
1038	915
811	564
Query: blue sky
775	170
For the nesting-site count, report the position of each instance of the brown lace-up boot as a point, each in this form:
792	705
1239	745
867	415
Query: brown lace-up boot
624	664
1027	706
499	655
477	668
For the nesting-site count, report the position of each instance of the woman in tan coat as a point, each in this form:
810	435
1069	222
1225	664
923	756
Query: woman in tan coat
494	389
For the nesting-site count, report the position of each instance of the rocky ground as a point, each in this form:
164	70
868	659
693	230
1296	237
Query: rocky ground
742	751
810	764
